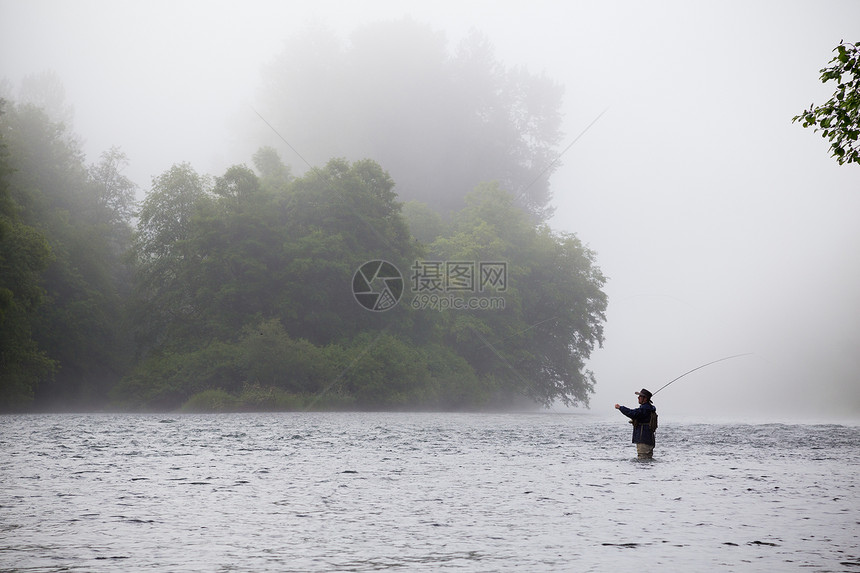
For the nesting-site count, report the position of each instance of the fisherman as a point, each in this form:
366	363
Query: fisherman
643	434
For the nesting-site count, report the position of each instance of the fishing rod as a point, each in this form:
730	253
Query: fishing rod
700	367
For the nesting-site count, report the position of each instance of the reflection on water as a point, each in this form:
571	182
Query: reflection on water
422	492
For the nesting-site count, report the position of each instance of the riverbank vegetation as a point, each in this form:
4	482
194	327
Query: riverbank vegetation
236	291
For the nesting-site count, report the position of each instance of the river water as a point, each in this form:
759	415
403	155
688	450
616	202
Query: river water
423	492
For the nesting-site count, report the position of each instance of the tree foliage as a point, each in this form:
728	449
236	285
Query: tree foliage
114	193
554	312
235	292
259	274
24	255
45	91
63	247
838	119
164	257
440	122
274	174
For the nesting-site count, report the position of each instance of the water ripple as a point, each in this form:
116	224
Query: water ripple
421	492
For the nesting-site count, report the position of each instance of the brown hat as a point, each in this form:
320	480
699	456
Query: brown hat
645	393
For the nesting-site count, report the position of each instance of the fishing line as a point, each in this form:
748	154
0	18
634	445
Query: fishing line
700	367
343	373
324	175
554	161
499	355
535	325
281	136
372	228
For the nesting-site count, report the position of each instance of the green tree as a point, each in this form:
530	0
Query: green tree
165	219
425	224
839	118
253	295
45	91
564	310
272	358
337	218
385	371
237	186
24	255
440	122
114	193
537	345
79	325
238	240
262	269
274	174
165	379
166	262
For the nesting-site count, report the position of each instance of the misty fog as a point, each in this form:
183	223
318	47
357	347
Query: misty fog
722	227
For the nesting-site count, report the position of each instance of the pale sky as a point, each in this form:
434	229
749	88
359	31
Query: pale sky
723	227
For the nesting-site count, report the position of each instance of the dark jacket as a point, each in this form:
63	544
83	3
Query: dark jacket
641	417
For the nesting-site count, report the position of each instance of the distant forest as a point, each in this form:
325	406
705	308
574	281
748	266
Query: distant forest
237	291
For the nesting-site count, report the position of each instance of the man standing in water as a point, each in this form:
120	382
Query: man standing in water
643	435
